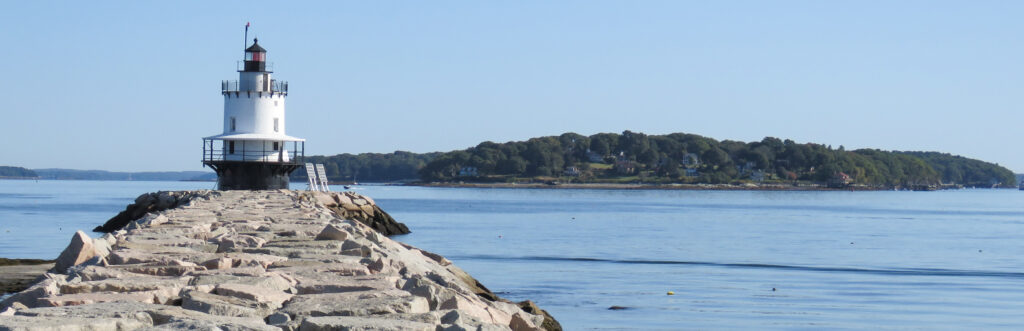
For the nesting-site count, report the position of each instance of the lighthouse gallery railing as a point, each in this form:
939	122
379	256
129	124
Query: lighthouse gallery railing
215	150
233	86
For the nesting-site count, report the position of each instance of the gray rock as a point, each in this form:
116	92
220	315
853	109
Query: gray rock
352	323
469	306
121	309
213	325
25	323
435	294
522	322
259	294
218	263
436	257
332	232
152	219
185	325
268	281
221	305
331	246
278	318
92	298
461	320
157	269
79	250
97	272
31	297
102	316
331	283
356	304
110	238
165	200
145	199
174	315
235	242
100	247
125	284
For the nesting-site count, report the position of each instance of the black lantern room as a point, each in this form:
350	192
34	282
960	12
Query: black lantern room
255	57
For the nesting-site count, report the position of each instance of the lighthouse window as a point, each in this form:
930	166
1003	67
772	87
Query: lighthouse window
254	56
232	124
275	129
231	147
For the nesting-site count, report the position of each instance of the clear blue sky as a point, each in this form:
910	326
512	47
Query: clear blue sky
133	86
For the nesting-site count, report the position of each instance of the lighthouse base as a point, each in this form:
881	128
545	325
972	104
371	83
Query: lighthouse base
241	175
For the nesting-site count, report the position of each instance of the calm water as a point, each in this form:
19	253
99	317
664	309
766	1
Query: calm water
849	260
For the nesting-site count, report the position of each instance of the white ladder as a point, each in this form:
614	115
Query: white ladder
311	176
322	175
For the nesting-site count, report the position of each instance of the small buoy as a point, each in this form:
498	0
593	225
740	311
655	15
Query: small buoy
851	243
670	293
979	251
499	236
773	289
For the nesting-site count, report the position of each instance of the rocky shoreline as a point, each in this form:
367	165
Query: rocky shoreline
18	274
258	260
347	205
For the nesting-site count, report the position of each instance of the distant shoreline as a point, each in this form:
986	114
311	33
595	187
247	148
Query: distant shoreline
639	186
802	186
602	186
111	180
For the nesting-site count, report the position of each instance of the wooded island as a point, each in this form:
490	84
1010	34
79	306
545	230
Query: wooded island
633	157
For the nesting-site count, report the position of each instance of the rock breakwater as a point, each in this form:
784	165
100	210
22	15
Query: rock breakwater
347	205
258	260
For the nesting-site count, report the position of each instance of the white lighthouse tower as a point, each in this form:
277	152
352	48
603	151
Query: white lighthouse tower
253	152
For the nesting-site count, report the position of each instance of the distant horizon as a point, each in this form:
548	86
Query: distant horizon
207	170
141	86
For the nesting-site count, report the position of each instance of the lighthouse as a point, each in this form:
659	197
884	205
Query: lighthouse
253	152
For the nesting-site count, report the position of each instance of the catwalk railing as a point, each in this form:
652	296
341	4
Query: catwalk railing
275	86
215	150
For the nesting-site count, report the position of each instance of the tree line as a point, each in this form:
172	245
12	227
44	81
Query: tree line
6	171
689	158
970	172
672	158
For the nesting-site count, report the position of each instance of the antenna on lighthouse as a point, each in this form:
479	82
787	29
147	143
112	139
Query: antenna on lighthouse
245	39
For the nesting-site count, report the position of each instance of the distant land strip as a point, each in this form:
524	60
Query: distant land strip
628	160
7	172
72	174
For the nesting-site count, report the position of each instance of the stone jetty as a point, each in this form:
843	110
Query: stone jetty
258	260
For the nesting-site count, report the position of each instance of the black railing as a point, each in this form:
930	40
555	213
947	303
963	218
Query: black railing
276	86
215	150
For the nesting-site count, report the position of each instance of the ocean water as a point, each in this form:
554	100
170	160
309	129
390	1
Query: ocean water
734	259
38	218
